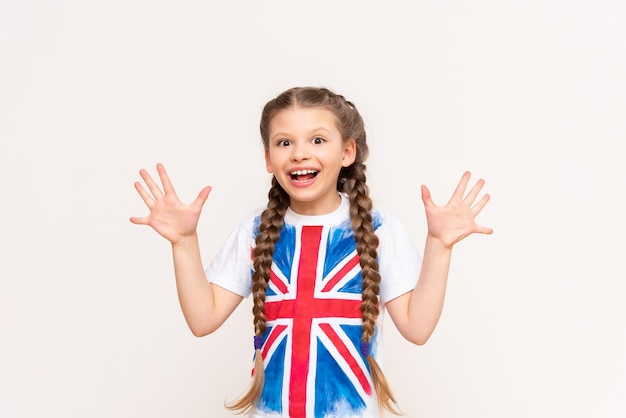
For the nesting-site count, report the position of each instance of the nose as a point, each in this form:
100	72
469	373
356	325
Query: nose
300	152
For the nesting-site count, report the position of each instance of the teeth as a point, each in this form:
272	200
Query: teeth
302	172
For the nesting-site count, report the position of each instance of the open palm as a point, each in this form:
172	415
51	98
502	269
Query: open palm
456	219
170	217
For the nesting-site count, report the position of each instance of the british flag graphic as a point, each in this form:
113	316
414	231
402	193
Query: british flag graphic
313	365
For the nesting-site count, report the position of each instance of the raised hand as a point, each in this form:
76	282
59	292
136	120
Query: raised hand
457	219
170	217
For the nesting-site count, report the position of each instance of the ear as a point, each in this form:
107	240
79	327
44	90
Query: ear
268	163
349	153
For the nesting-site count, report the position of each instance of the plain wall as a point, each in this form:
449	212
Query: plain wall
529	95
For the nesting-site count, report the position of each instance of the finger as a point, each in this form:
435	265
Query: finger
471	196
484	230
202	197
478	207
139	221
427	198
168	188
154	188
460	188
147	199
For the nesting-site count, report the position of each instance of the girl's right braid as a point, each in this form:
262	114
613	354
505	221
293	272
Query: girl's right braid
269	233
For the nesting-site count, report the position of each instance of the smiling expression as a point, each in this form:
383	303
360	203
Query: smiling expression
306	153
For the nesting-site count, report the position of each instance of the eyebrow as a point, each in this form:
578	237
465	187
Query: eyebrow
320	128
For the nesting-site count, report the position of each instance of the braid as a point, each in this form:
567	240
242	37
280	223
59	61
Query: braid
366	245
269	233
354	185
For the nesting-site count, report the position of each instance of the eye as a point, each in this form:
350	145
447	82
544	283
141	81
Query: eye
318	140
283	142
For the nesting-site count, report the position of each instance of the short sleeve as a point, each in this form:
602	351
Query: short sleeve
232	266
398	260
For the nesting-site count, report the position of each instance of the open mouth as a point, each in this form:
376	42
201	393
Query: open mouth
303	175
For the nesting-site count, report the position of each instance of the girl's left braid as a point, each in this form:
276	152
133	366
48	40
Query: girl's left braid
352	180
367	244
269	233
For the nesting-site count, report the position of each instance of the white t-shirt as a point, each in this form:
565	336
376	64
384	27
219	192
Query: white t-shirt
311	349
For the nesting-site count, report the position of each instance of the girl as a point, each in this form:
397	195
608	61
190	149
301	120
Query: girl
320	262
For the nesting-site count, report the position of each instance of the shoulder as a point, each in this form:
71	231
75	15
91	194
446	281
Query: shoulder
393	236
250	222
385	221
399	260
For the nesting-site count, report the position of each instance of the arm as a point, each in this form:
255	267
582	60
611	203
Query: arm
416	313
205	306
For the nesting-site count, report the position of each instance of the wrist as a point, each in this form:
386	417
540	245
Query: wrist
186	241
437	245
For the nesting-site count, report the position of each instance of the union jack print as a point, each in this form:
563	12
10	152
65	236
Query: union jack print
313	365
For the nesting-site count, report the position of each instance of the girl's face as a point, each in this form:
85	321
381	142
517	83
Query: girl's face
305	154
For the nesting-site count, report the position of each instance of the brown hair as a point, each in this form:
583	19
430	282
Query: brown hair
352	182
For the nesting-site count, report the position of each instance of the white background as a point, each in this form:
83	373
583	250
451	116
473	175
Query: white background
530	95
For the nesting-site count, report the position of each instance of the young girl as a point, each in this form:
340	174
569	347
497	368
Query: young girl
320	261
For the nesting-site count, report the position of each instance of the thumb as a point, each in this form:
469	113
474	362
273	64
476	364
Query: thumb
426	197
202	196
